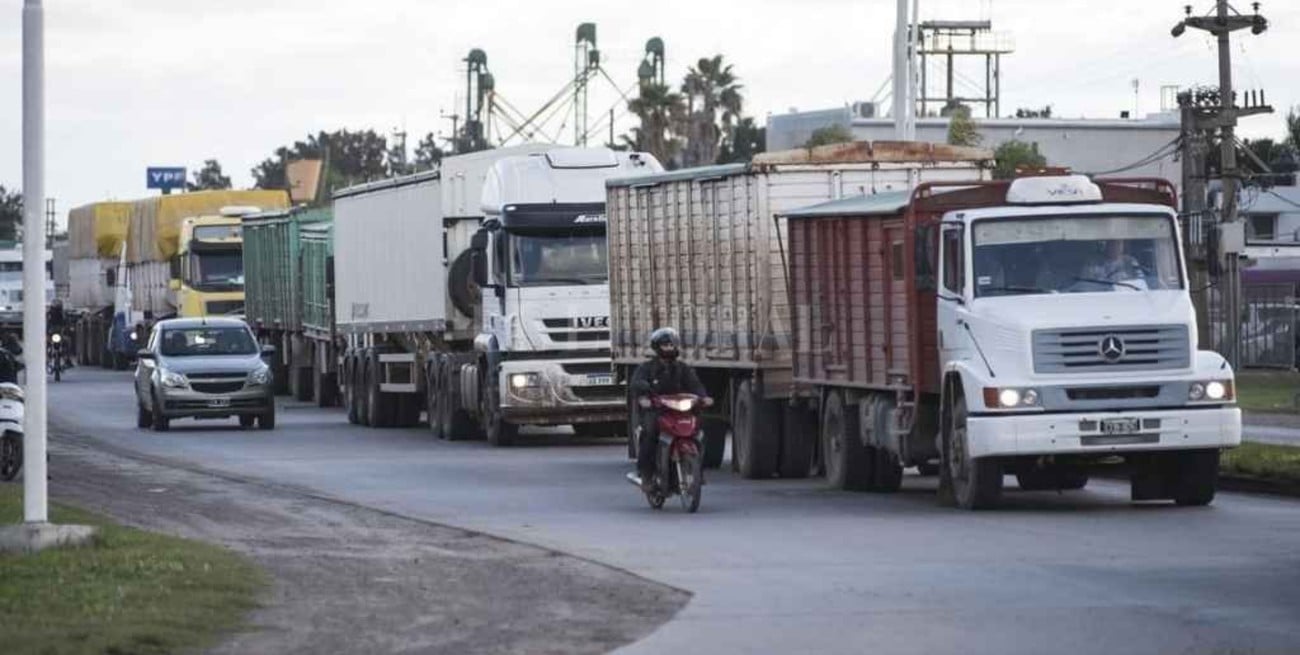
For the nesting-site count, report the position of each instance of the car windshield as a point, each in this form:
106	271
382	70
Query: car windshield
538	260
217	270
1075	254
198	341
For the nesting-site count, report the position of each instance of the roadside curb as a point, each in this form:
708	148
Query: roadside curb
1262	486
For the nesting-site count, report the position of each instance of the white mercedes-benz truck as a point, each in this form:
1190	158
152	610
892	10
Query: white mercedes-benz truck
479	293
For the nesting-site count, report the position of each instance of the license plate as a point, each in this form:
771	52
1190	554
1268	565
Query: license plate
600	379
1121	426
217	403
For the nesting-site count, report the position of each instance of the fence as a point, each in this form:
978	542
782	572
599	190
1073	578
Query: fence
1270	325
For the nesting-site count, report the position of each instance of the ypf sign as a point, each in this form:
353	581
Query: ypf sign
165	178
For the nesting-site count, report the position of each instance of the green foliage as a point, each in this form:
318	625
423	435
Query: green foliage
428	153
1267	392
1293	127
11	214
351	158
209	177
713	105
1262	461
662	113
128	592
961	129
827	135
1016	154
743	143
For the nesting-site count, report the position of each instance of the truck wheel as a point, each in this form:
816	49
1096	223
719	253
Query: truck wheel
350	392
847	461
434	402
798	442
1197	477
756	435
457	424
324	389
379	407
976	483
889	472
363	388
499	431
715	443
302	388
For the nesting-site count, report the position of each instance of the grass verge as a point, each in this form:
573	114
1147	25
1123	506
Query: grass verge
1262	462
129	592
1268	392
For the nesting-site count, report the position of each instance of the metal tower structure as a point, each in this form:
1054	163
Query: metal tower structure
478	84
586	61
950	39
651	70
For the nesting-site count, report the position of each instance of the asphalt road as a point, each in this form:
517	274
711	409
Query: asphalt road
786	566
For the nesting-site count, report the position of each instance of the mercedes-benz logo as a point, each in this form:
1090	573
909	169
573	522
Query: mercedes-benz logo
1111	348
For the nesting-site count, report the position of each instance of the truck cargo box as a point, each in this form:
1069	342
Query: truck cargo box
91	282
272	266
98	229
317	261
704	250
156	222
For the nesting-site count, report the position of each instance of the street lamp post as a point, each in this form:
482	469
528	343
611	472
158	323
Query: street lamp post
35	505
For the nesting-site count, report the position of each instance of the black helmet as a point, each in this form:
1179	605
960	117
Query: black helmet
664	342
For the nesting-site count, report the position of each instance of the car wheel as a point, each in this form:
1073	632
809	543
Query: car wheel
246	420
267	421
160	421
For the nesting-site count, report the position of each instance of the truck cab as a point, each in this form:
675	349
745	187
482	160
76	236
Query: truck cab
1067	333
208	270
541	263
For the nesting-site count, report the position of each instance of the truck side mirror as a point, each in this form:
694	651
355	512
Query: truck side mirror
175	265
478	257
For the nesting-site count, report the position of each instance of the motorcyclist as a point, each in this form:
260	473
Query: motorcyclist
661	375
56	322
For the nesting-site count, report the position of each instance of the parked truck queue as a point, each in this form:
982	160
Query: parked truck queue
854	309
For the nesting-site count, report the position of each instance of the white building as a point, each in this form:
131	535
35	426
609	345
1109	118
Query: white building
1084	145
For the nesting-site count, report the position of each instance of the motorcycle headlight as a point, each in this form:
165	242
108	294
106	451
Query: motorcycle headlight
261	376
172	379
679	405
56	338
134	336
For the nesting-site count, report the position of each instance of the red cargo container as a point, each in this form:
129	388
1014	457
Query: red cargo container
864	311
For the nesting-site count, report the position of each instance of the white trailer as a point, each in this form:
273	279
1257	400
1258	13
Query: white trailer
466	291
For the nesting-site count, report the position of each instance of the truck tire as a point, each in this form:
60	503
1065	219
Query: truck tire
380	407
324	388
756	433
887	469
434	402
976	483
798	442
460	284
302	384
458	424
350	403
715	443
362	392
499	432
848	463
1196	477
407	408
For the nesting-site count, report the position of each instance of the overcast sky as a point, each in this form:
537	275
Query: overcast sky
133	83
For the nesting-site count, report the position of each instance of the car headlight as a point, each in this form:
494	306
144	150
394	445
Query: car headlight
523	380
172	379
1210	390
261	376
1010	398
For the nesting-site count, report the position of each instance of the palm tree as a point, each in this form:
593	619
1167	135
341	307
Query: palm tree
662	113
710	87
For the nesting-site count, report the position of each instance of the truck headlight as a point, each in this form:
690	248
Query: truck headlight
1210	390
1010	397
523	380
261	376
172	379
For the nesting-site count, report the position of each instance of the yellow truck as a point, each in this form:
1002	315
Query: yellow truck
135	262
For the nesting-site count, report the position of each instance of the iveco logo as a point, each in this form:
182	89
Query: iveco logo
589	218
1111	348
591	321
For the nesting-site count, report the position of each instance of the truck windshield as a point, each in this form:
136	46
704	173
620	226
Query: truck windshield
217	271
190	342
1074	254
557	259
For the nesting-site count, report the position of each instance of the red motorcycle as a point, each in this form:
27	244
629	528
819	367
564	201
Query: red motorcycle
680	458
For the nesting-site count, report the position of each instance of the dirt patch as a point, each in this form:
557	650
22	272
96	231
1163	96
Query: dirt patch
354	580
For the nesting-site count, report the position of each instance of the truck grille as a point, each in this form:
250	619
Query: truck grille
604	392
1111	349
224	307
587	368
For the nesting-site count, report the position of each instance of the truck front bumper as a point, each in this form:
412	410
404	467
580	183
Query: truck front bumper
561	392
1081	433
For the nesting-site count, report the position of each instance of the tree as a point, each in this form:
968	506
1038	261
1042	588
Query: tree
428	153
1045	112
11	214
662	113
1012	155
743	143
208	177
713	105
353	158
1293	127
961	129
828	135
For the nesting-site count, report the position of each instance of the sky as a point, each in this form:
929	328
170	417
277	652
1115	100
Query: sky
137	83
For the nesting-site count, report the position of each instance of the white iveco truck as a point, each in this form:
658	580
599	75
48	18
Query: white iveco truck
479	292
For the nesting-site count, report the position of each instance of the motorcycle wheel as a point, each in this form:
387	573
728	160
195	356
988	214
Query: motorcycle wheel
11	457
655	499
689	479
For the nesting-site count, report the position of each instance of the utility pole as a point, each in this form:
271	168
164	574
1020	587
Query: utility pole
35	506
1222	22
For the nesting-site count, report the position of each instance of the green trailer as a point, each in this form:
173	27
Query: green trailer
282	270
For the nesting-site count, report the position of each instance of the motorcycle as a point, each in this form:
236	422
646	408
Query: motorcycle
680	455
11	430
55	359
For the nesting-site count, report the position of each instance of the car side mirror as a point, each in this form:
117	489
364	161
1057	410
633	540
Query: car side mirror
268	350
144	353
